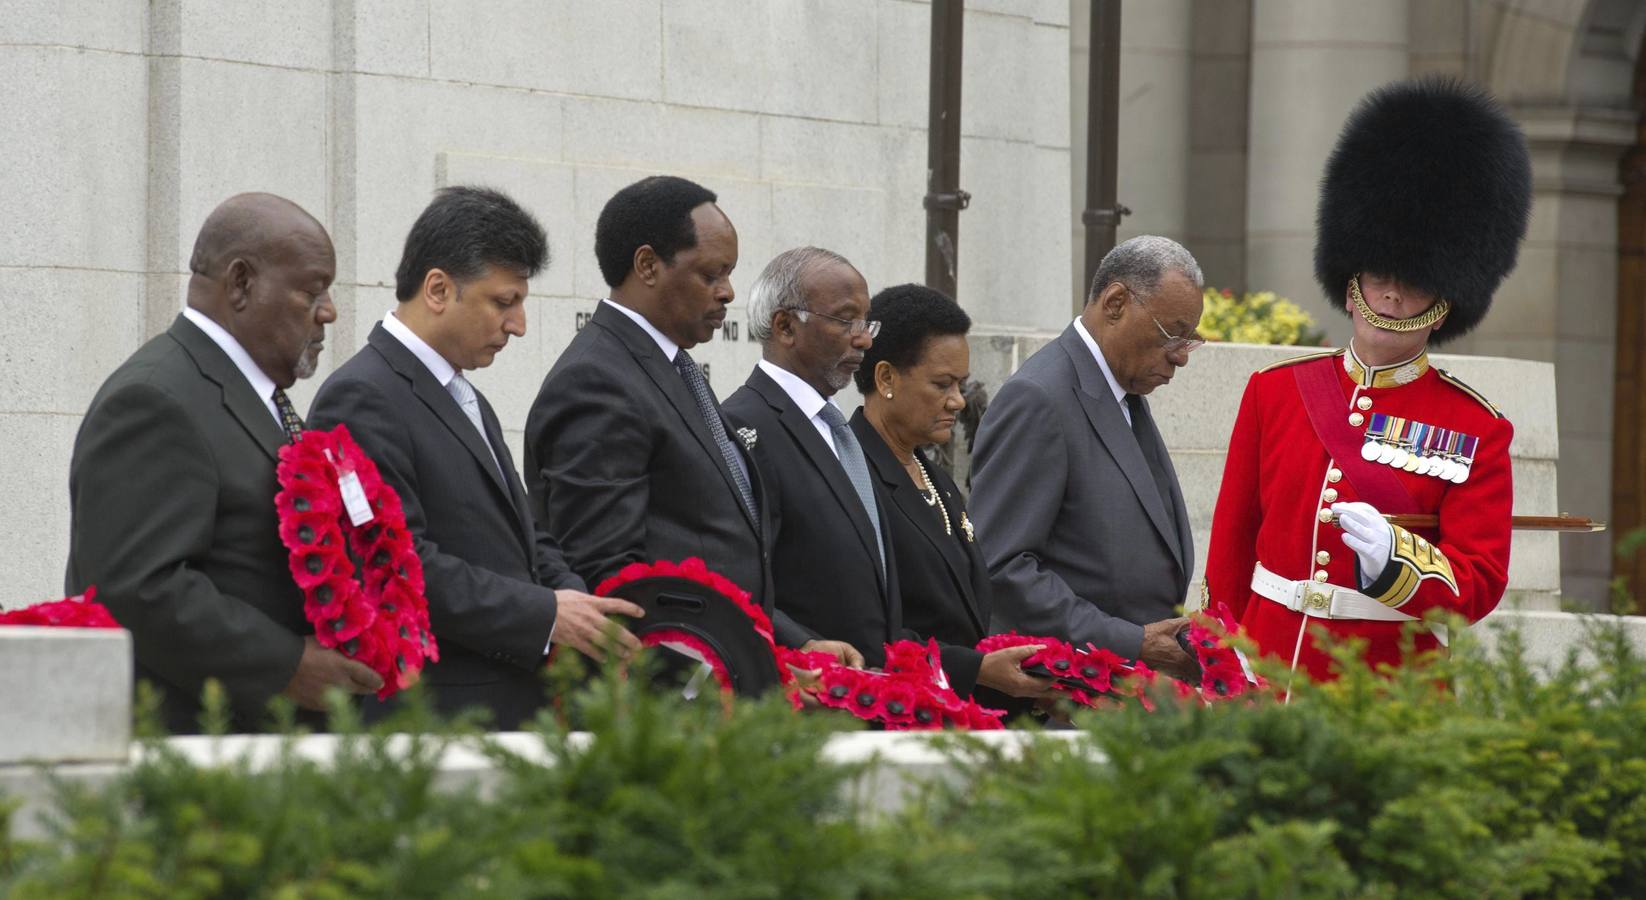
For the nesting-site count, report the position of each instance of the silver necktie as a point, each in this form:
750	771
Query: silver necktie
857	469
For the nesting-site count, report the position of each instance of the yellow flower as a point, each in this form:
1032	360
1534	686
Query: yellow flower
1254	318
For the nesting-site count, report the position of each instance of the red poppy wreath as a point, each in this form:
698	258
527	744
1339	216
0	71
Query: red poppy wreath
82	611
1095	677
704	616
910	694
335	509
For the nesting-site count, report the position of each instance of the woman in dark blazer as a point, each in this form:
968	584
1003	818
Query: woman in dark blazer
911	379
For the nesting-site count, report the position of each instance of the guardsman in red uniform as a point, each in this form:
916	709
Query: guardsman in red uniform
1422	209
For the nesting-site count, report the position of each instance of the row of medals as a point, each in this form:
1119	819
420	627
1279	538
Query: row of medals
1446	466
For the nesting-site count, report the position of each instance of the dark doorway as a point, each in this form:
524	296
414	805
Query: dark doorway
1629	411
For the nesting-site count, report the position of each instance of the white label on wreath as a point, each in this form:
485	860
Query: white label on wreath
354	498
1245	666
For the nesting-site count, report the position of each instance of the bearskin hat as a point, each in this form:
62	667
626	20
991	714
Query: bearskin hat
1430	183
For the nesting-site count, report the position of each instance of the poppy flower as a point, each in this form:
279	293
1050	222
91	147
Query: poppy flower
928	713
313	566
357	616
309	493
864	701
909	657
898	698
838	684
299	531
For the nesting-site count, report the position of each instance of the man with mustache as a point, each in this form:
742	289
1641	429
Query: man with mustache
1422	209
628	458
499	592
834	580
1077	505
172	481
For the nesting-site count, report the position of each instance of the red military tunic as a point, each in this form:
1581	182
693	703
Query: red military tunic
1279	477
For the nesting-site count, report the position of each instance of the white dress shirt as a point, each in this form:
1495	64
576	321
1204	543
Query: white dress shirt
804	396
442	371
261	384
1097	353
670	348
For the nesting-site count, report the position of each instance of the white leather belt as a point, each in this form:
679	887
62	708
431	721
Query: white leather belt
1328	601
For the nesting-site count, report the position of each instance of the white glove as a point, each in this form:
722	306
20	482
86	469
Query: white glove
1368	534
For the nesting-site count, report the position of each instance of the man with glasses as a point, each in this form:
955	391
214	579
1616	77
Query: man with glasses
833	575
1077	507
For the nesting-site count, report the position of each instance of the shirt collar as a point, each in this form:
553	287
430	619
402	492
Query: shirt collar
261	384
1385	376
670	348
804	395
1097	354
442	371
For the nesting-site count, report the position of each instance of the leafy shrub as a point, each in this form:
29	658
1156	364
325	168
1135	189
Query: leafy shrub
1256	318
1464	777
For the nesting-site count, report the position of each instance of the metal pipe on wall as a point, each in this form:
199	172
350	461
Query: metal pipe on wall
1101	217
944	199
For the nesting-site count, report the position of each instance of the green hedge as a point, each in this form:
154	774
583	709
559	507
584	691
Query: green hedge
1468	778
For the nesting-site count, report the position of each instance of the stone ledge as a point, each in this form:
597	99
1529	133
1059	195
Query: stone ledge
901	762
68	694
1550	636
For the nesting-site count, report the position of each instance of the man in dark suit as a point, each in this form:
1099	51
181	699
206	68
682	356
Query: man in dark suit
1077	505
627	456
172	481
833	574
498	593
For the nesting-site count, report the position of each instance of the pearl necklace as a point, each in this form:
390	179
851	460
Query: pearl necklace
935	499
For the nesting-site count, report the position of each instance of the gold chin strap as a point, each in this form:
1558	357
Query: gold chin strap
1415	323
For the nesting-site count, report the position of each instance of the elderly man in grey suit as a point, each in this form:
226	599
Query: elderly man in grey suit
1078	509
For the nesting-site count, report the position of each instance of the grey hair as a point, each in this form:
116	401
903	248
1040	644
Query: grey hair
1141	262
778	286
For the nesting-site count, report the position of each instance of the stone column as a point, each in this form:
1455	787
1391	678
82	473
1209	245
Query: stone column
1220	82
1155	120
1311	61
1559	306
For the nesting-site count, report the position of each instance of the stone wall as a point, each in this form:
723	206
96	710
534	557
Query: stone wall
130	121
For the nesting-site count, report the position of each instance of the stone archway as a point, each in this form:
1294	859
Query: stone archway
1567	71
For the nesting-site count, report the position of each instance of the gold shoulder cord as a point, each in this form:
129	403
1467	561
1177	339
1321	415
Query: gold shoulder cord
1415	323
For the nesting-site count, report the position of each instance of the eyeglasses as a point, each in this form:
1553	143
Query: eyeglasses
1173	343
854	327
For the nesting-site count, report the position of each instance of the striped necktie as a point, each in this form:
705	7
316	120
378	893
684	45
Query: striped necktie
699	387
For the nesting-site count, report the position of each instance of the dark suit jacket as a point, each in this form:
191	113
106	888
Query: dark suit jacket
1078	542
942	581
826	581
621	467
490	585
171	490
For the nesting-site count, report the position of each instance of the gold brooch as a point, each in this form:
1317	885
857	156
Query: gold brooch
966	526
